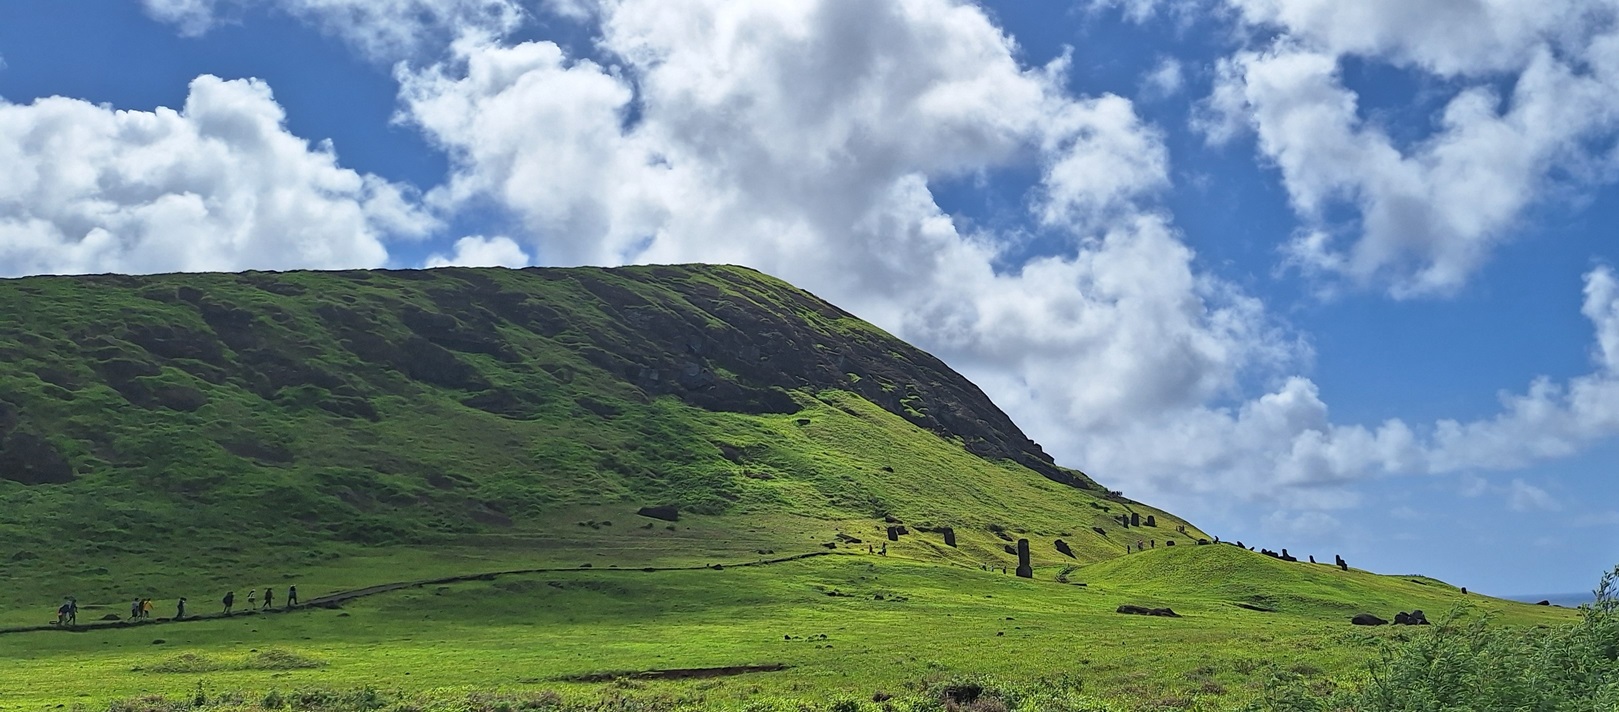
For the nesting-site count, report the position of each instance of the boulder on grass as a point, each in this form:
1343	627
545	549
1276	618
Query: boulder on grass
666	512
1130	610
1367	619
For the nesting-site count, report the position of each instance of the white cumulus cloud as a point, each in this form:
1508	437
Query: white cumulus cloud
478	251
1429	213
217	185
385	30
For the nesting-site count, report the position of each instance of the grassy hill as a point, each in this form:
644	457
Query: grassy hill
216	428
185	435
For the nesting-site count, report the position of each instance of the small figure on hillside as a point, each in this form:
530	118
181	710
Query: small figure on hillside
1464	590
230	600
135	609
61	614
252	598
146	608
72	611
180	609
292	596
885	549
269	599
1154	543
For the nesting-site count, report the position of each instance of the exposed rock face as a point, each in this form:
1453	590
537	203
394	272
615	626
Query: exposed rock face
665	512
28	458
1131	610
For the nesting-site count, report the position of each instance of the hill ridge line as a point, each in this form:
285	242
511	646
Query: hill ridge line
334	600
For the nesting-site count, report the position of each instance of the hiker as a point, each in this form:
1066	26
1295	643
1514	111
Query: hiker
61	614
292	595
146	608
180	609
269	599
72	611
135	609
230	599
252	598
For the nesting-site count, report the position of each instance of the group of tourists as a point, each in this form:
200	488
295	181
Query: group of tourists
269	599
141	608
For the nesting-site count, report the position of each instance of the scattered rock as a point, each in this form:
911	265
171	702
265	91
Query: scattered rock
1367	619
112	617
1413	618
1099	530
1544	603
1131	610
159	641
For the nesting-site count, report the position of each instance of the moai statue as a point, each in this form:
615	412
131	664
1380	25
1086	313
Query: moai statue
1024	570
949	537
1312	558
1135	519
893	533
1152	521
1154	543
1341	563
1064	548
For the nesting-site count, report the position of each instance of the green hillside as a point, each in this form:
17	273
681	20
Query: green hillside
487	439
259	425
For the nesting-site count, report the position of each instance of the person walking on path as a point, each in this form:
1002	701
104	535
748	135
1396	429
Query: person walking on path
180	609
292	595
230	600
72	611
135	609
269	598
252	598
146	608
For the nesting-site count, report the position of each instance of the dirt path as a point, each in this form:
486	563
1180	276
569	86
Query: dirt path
335	600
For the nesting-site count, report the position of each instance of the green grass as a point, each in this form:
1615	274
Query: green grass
888	624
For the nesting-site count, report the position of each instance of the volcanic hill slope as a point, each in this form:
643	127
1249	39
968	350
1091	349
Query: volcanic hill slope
274	421
187	435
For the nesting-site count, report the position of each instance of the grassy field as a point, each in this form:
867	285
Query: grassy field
846	625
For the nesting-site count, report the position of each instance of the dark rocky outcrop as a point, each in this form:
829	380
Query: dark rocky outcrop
32	460
1367	619
1064	549
665	512
1413	618
1132	610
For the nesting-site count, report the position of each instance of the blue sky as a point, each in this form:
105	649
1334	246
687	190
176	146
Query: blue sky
1292	269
